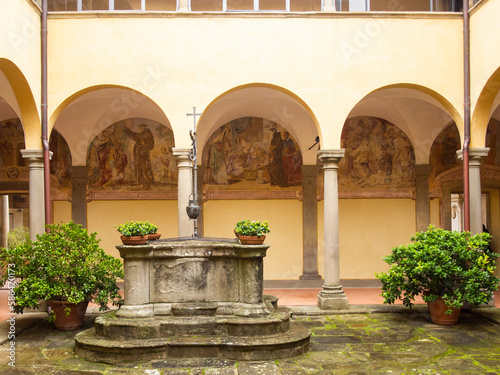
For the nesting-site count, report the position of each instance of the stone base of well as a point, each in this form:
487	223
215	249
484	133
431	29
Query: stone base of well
193	298
119	340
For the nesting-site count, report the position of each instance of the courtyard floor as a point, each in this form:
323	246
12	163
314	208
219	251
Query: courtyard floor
365	339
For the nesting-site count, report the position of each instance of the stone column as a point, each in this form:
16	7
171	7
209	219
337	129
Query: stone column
79	195
201	170
4	222
422	204
185	166
329	6
183	6
475	157
446	205
309	224
36	192
332	296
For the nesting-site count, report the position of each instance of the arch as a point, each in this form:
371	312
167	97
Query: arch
28	112
486	104
420	112
263	100
83	115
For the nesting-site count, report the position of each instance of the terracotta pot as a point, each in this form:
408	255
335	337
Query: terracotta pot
152	237
69	322
134	240
251	240
437	310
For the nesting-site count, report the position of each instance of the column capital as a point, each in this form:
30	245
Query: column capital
423	169
330	158
32	154
182	156
475	154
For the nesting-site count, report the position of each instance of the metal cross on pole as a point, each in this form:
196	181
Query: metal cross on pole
193	209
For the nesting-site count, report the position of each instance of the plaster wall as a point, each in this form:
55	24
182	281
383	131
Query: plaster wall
20	62
329	61
284	257
61	212
369	229
485	29
102	216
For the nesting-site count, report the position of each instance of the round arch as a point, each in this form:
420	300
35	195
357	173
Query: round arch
487	101
267	101
420	112
83	115
23	103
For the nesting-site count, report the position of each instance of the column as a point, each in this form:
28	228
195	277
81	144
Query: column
185	166
332	296
309	224
201	171
79	195
36	191
329	6
4	222
475	157
422	204
183	6
446	205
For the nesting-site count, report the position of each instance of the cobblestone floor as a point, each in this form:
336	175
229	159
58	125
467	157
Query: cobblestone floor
399	342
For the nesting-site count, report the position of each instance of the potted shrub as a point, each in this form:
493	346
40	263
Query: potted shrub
134	232
66	267
251	232
445	268
152	231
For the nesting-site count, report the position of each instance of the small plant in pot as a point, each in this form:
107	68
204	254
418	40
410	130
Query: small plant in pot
251	232
66	267
152	231
134	232
446	268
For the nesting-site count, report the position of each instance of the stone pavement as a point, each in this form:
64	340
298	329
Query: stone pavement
370	339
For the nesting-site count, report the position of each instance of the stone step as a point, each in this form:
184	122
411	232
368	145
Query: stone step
112	327
116	351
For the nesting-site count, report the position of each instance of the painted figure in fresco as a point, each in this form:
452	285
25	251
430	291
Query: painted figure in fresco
292	160
276	168
168	164
217	164
144	143
98	155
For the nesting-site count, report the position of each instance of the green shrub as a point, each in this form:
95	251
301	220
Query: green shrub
251	228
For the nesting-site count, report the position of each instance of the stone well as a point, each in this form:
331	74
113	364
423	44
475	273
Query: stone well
193	298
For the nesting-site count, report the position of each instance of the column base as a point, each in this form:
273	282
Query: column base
332	298
135	311
310	276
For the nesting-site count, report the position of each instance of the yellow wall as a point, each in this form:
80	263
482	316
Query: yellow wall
484	25
284	257
102	216
61	212
435	212
369	229
293	52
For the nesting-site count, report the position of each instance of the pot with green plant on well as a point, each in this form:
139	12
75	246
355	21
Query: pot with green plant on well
446	268
134	232
251	232
66	267
152	231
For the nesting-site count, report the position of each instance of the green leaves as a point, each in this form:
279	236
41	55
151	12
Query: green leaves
454	265
136	228
66	263
252	228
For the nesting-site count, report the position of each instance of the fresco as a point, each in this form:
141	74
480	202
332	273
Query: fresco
252	153
133	154
493	142
60	162
378	155
11	142
443	155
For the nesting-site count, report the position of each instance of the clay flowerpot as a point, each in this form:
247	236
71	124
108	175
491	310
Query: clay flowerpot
437	310
69	322
251	240
134	240
153	237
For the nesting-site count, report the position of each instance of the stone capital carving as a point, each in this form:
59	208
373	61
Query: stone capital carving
182	156
475	155
330	158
